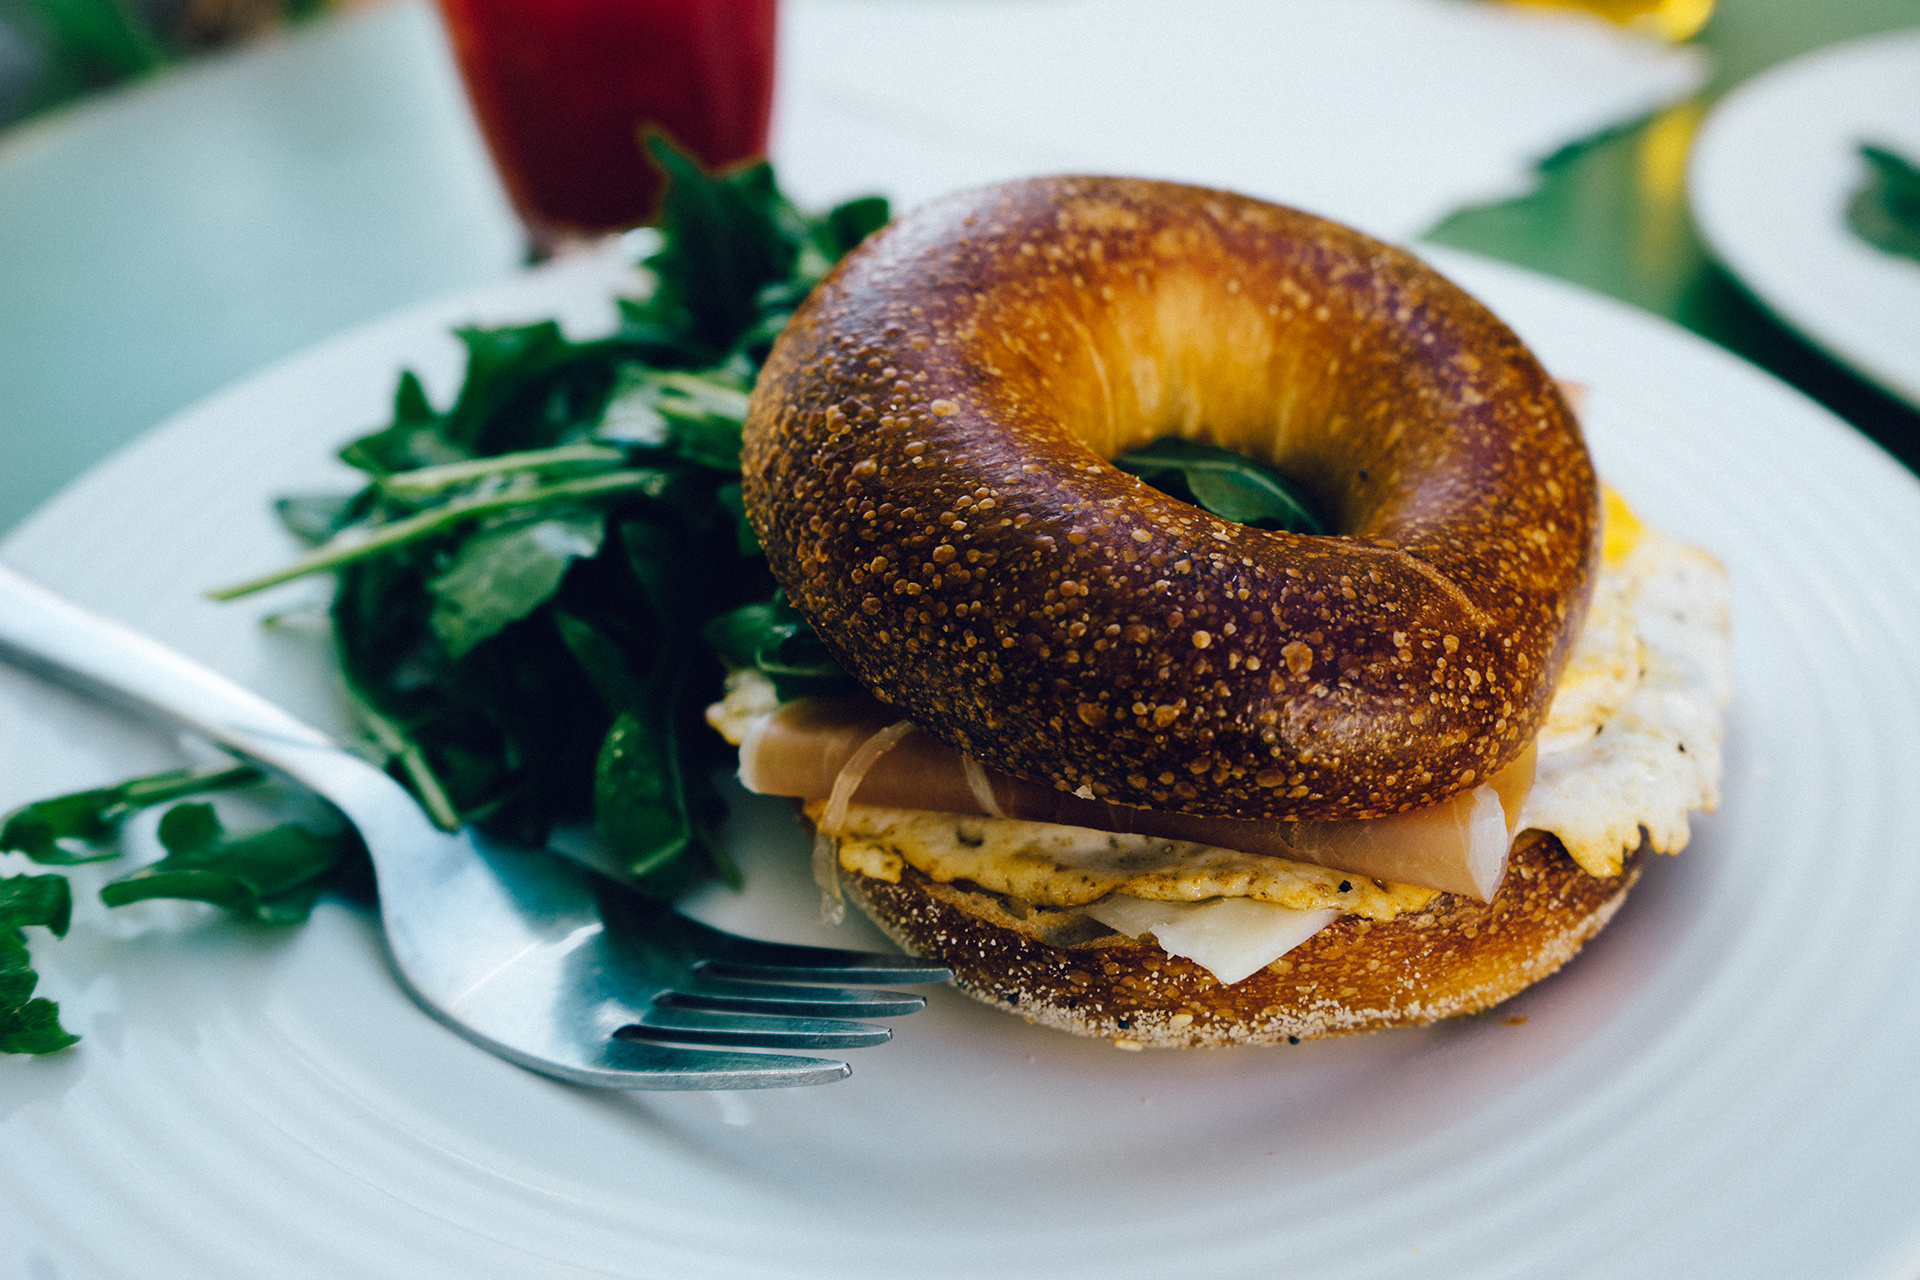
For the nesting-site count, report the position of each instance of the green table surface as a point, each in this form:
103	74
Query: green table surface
162	241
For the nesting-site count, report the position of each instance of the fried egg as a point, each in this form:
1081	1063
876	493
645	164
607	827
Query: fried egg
1632	742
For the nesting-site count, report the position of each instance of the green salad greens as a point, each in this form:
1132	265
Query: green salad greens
274	875
76	828
1886	211
29	1024
542	585
527	578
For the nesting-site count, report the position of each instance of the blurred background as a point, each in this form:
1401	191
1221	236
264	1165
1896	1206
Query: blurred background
190	189
55	51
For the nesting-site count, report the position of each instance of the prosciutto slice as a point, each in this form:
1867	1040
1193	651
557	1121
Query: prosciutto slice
805	749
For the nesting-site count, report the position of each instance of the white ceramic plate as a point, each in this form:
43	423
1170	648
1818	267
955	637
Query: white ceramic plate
1722	1086
1770	176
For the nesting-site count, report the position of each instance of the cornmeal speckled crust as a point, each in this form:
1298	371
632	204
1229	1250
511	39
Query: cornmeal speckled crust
925	466
1454	956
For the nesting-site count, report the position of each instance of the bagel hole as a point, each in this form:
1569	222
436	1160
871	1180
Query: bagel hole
1227	484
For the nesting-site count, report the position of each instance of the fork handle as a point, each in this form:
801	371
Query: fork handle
84	651
97	655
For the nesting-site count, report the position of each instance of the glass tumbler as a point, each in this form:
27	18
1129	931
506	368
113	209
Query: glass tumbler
565	90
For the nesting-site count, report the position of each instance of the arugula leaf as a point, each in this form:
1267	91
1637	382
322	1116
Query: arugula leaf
434	521
1228	484
697	417
274	876
649	808
482	739
845	226
526	388
652	810
399	748
47	831
45	900
775	639
34	1027
546	722
315	517
732	235
640	805
504	573
426	483
1886	211
28	1024
411	441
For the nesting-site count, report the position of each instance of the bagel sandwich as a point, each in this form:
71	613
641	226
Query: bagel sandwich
1135	771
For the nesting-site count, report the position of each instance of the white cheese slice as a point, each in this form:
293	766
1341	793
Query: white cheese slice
1487	837
1231	938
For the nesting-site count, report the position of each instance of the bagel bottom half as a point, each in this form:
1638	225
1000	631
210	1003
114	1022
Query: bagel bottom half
1453	956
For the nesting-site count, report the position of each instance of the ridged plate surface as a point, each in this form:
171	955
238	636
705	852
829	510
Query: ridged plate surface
1722	1086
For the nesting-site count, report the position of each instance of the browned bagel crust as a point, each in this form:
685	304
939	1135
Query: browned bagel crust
925	466
1455	956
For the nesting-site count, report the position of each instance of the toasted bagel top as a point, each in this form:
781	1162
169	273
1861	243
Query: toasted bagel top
926	466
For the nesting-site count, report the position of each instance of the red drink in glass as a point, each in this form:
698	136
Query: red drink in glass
564	89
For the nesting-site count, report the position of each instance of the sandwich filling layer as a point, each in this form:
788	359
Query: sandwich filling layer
1631	746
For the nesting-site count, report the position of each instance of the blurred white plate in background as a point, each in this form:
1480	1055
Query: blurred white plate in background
1771	174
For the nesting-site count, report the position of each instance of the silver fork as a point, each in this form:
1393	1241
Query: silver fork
534	958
